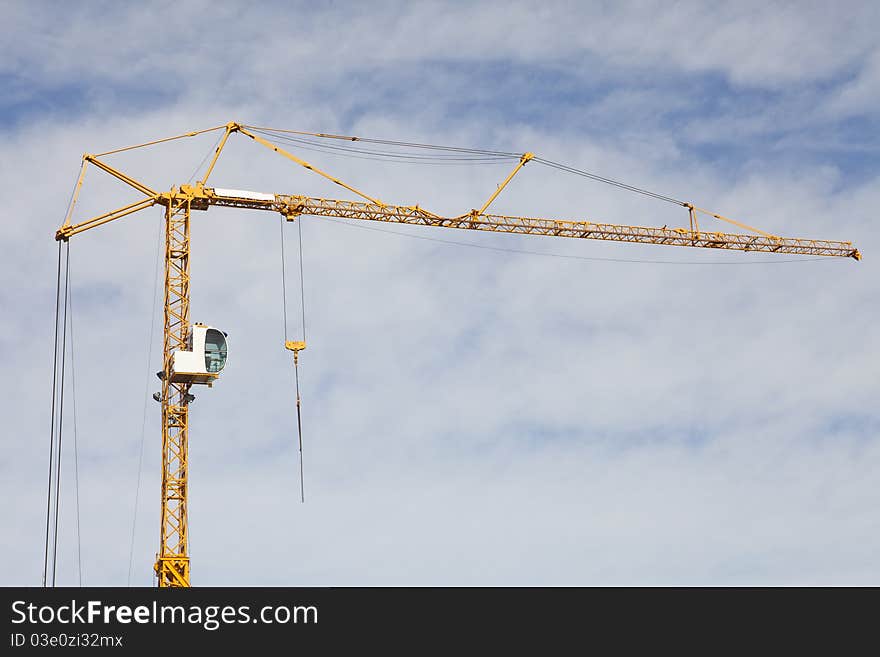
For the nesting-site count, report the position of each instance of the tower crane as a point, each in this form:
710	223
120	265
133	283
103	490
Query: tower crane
195	355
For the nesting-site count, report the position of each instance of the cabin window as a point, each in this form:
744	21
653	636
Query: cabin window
215	350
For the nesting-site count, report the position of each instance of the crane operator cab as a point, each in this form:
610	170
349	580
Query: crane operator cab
205	359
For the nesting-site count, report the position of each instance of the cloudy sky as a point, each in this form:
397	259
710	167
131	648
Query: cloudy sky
619	415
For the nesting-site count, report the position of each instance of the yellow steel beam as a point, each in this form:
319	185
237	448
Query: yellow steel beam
67	231
230	128
522	162
128	180
75	195
693	208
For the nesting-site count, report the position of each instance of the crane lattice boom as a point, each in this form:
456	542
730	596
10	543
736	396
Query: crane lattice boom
292	206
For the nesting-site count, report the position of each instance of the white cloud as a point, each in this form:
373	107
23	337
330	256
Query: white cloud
861	93
470	416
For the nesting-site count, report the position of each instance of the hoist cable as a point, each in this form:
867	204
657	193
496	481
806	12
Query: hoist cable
302	296
295	353
147	379
52	424
75	434
302	284
283	280
302	485
70	202
60	416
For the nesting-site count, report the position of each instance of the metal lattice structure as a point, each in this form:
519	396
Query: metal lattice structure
172	562
292	206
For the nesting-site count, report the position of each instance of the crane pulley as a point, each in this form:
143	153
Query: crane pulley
186	347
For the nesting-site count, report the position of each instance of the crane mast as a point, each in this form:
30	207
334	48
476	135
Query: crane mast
172	566
172	561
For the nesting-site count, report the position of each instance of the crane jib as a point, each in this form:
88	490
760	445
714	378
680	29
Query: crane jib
293	206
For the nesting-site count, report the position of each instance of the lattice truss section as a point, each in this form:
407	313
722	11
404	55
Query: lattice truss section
172	563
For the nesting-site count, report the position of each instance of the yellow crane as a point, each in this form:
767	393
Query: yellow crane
182	341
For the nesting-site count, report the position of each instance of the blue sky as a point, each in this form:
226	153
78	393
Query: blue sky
472	416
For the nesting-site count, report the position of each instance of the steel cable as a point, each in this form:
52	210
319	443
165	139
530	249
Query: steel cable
75	433
146	402
387	142
608	181
60	417
52	423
